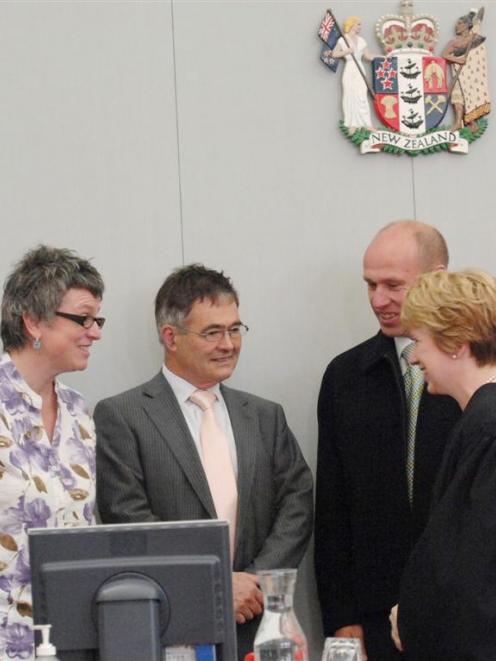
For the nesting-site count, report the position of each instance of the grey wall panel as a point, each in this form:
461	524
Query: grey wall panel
89	160
273	194
455	192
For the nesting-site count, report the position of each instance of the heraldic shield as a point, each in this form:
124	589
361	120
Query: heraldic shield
411	91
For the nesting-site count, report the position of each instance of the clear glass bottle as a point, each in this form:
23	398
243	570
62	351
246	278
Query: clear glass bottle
342	649
279	636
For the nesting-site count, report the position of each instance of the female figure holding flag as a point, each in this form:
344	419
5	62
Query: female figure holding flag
353	48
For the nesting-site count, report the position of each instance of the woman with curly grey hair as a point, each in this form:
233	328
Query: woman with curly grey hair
47	442
447	604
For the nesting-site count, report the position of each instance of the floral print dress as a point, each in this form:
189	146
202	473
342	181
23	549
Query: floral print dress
42	484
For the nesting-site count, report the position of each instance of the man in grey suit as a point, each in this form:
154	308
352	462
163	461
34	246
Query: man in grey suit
150	464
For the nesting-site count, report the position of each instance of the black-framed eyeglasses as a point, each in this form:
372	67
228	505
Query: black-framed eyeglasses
218	334
84	320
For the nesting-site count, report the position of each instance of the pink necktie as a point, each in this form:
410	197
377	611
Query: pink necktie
217	463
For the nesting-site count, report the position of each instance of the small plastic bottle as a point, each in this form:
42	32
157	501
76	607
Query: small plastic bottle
45	651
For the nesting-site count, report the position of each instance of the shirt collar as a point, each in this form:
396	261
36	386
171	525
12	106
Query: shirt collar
183	389
18	382
400	343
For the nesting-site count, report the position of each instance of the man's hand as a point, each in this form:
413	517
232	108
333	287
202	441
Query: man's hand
248	599
393	618
353	631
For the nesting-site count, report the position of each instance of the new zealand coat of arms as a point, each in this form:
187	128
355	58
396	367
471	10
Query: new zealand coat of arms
412	87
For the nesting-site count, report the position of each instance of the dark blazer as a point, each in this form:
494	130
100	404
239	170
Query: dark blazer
365	527
148	469
447	606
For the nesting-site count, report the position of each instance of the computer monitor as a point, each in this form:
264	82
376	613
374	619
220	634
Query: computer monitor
124	592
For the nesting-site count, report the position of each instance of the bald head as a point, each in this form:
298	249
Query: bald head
431	245
398	254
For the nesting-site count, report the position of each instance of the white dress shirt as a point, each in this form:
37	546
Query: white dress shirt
193	414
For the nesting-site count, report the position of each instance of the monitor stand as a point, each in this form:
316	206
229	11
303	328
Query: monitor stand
132	610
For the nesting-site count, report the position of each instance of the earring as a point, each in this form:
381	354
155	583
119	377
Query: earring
36	344
454	356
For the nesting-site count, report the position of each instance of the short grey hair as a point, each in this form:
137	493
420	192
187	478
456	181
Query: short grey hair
186	285
37	286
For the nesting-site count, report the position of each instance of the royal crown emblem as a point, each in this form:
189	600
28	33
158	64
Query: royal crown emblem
407	32
411	88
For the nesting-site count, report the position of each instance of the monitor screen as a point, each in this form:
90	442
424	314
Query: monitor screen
121	592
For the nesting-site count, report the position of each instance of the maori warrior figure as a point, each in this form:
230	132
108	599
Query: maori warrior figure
468	56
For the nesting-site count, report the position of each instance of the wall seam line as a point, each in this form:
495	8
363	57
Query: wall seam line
176	104
414	197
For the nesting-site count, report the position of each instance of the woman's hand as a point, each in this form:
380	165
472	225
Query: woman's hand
393	618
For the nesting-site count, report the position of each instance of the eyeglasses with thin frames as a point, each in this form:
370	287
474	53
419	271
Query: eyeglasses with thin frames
84	320
218	334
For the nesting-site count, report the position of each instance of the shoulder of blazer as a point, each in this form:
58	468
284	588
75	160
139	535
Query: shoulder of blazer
238	398
155	387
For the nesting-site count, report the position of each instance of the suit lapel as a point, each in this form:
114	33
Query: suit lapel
163	409
244	423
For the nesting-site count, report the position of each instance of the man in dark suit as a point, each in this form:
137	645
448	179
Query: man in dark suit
368	514
152	459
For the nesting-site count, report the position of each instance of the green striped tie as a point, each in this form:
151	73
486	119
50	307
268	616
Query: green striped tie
414	385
